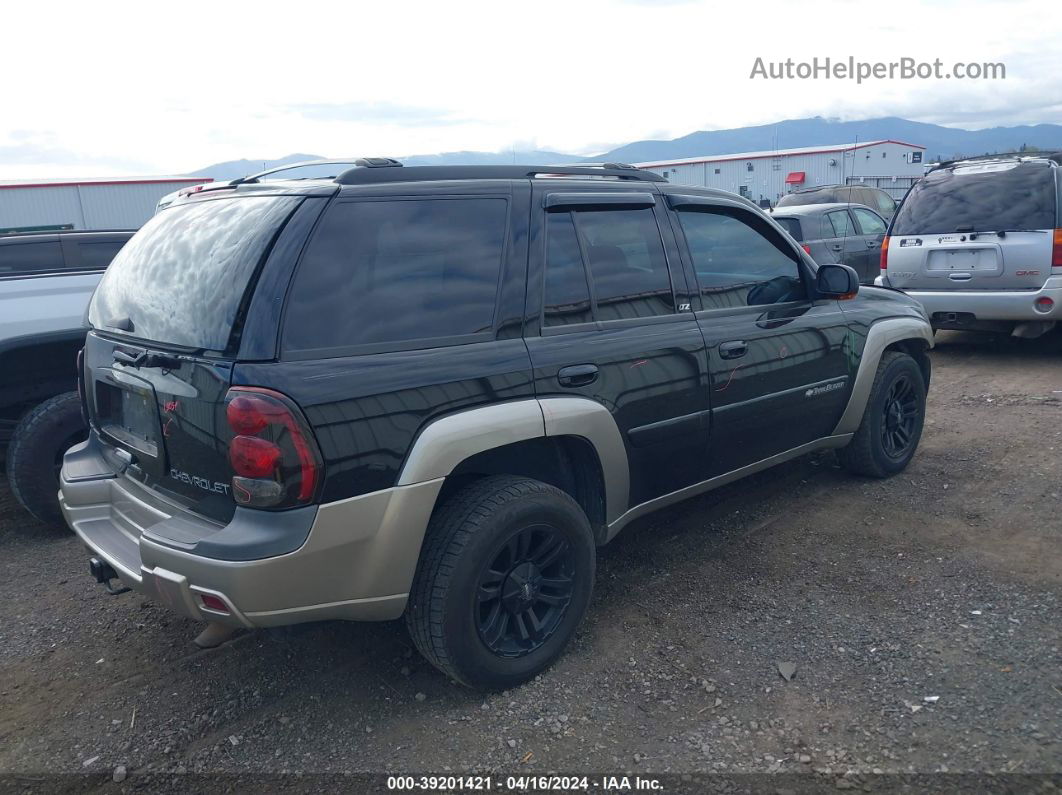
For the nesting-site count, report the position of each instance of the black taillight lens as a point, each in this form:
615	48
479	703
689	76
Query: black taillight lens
275	460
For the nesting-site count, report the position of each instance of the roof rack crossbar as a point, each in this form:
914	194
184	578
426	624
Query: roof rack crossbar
364	175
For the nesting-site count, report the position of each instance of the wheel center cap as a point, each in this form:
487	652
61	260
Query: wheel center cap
520	589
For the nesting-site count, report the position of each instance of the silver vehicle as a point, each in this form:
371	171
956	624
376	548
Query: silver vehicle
844	234
979	243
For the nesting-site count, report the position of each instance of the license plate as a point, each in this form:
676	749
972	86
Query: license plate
128	414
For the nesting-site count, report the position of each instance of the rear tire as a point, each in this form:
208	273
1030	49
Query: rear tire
36	453
504	578
888	436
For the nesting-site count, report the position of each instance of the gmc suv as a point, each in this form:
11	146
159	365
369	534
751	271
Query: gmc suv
434	391
979	244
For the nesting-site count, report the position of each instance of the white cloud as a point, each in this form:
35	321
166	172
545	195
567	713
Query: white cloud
174	87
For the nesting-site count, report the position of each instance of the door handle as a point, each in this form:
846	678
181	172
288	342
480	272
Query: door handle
577	375
871	243
734	349
836	247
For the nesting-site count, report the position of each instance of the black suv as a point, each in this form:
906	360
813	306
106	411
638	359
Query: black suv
434	391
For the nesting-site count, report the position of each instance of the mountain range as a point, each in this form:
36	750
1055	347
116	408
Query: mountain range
940	142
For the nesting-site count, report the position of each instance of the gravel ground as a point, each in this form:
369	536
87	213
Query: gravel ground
920	616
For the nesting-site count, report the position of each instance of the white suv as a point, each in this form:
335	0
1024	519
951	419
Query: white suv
979	243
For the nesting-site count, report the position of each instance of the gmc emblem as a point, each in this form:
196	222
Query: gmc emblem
1026	273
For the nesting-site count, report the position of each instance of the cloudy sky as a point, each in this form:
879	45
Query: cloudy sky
97	88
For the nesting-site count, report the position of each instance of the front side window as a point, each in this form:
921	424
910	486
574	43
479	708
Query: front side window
397	271
740	260
870	223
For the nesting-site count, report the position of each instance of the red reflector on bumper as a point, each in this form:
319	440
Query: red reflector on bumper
211	602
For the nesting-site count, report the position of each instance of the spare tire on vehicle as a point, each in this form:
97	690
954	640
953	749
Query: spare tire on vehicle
36	451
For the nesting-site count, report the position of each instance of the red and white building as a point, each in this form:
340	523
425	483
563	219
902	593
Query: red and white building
28	205
892	166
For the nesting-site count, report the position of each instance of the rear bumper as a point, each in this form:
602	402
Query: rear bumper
356	562
1015	305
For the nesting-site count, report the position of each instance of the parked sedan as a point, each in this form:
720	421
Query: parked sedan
849	234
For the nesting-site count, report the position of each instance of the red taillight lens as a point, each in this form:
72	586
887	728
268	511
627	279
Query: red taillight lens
885	253
1056	250
247	414
252	457
273	453
806	247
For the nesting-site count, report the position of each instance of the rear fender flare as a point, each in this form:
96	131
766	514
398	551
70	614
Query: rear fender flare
446	442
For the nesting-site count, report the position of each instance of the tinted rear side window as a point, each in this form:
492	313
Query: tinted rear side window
25	258
837	224
1019	197
627	264
98	255
182	278
392	272
567	296
792	226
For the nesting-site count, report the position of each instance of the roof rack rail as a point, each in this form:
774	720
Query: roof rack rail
388	172
1055	156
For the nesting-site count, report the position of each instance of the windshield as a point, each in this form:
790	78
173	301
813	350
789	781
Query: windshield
983	199
182	278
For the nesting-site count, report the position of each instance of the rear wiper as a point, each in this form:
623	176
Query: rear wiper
1005	232
145	359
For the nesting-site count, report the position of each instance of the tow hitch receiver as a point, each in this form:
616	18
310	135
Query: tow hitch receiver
104	573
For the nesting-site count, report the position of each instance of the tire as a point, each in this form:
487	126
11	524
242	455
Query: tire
469	622
875	449
36	452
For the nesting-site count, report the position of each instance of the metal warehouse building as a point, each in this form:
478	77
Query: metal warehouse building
892	166
104	203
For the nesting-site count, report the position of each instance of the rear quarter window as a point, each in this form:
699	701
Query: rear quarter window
398	274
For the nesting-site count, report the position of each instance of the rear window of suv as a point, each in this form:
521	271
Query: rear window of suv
181	279
979	199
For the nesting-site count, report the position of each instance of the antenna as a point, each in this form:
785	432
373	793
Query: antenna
848	205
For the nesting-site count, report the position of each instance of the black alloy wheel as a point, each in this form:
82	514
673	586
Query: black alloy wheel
525	590
900	416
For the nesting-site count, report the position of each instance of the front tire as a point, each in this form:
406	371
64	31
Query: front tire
892	421
504	579
35	454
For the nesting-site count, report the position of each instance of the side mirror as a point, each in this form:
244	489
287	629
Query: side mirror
836	281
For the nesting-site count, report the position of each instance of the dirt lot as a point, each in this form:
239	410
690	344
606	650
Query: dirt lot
922	615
